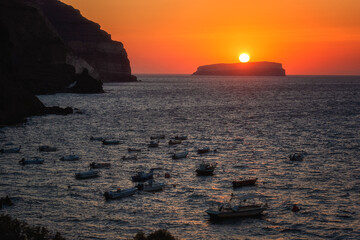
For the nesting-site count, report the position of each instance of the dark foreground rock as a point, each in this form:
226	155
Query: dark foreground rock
242	69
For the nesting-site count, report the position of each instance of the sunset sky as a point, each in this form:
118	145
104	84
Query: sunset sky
176	36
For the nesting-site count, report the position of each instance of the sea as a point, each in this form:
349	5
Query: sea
253	123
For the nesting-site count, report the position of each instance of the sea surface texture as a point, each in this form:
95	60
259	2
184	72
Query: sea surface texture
254	123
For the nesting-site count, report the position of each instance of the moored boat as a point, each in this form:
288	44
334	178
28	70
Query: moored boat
245	182
184	137
151	186
97	138
35	160
153	144
120	193
160	136
134	150
297	156
11	150
46	148
142	176
203	150
129	158
99	165
174	142
70	158
87	174
180	155
244	208
110	142
206	169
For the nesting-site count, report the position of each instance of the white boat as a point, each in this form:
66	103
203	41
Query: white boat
129	158
97	138
153	144
120	193
142	177
11	150
46	148
99	165
243	208
151	186
184	137
111	142
70	158
180	155
206	169
88	174
36	160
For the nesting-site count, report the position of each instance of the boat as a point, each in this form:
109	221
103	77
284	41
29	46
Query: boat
161	136
129	158
110	142
142	177
99	165
246	182
203	150
87	174
174	142
206	169
243	208
297	156
180	155
11	150
134	150
120	193
151	186
45	148
153	144
184	137
36	160
70	158
97	138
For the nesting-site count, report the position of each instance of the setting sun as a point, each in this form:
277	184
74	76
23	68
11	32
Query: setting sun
244	58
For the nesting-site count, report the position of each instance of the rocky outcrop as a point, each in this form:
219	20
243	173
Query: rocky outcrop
242	69
108	58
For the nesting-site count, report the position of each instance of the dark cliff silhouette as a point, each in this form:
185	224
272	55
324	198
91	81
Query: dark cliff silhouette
242	69
108	58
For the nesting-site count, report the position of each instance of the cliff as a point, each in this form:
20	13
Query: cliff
33	61
108	58
242	69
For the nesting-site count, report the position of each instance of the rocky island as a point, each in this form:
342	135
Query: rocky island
242	69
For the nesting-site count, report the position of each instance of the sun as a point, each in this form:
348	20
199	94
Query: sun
244	58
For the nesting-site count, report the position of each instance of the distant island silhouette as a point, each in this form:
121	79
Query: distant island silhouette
242	69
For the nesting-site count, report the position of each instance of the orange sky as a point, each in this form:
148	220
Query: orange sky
176	36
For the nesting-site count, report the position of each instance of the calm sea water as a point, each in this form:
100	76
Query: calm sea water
253	122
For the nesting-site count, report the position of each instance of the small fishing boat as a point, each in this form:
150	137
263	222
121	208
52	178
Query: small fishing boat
161	136
180	155
46	148
153	144
11	150
120	193
246	182
203	150
70	158
110	142
180	137
174	142
129	158
134	150
243	208
206	169
151	186
99	165
87	174
142	176
97	138
297	156
36	160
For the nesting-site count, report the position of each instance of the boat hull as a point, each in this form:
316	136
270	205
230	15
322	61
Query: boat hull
119	194
244	213
249	182
205	172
